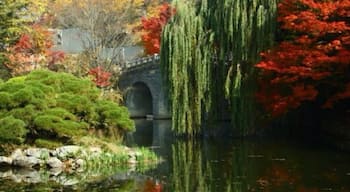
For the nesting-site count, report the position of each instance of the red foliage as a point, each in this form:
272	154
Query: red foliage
153	28
314	59
152	186
32	51
55	56
101	77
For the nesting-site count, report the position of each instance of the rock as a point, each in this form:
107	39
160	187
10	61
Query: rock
53	153
80	163
28	176
95	150
55	171
132	161
16	153
25	161
15	178
68	151
134	153
54	162
6	174
5	160
40	153
63	180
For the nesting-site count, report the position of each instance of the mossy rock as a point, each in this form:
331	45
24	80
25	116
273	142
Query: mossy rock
12	130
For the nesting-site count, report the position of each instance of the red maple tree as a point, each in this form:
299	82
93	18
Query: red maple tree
100	77
32	51
313	60
152	28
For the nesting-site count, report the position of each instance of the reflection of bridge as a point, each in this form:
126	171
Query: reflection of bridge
142	84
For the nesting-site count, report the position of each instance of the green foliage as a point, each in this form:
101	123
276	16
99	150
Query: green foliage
60	106
61	112
12	130
58	126
186	63
19	79
114	116
79	105
12	20
50	144
5	100
22	97
208	50
26	113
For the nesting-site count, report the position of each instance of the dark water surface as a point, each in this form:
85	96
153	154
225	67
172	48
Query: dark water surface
219	165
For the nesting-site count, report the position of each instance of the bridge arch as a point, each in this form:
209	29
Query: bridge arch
139	100
144	93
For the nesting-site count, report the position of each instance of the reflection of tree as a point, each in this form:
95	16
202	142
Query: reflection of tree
237	172
195	169
188	171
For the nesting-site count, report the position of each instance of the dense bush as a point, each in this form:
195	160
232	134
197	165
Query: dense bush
12	130
47	105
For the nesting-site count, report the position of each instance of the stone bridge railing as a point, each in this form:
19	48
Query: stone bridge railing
140	62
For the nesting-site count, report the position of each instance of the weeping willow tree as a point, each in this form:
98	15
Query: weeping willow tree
207	54
186	62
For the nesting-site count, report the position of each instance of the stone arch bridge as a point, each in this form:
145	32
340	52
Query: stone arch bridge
144	93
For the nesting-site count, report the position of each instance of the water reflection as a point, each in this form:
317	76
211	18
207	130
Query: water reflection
219	165
225	164
237	166
200	166
150	133
143	135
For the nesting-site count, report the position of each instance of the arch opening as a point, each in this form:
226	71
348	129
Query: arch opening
139	100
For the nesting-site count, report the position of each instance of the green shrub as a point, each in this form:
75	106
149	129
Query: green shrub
22	97
56	125
5	100
60	105
118	118
19	79
3	113
12	130
47	143
61	112
26	113
114	115
11	87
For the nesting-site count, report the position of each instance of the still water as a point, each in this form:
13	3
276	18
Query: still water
218	165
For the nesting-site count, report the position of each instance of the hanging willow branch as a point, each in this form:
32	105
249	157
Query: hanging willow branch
243	28
208	49
186	59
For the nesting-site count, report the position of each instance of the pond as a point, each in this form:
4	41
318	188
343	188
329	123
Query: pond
218	165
